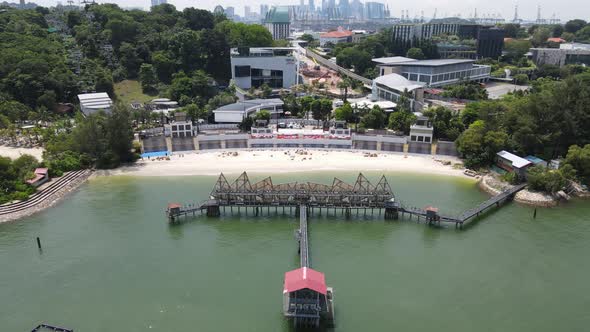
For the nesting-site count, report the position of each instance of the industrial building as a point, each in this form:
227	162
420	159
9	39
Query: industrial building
274	66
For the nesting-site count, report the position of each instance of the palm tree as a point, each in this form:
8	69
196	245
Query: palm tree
344	84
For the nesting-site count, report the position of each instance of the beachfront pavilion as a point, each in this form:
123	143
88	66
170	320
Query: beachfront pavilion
236	112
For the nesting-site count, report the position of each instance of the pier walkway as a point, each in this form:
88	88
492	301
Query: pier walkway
339	197
495	200
303	244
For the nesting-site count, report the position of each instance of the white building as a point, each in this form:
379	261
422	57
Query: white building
392	86
94	102
274	66
422	130
180	127
235	113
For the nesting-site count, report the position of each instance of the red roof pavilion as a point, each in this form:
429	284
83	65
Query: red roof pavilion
305	278
40	173
174	205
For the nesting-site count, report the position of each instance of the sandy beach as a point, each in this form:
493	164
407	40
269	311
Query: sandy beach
283	161
13	153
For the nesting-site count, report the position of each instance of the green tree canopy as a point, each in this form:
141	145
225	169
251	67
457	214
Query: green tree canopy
415	53
374	119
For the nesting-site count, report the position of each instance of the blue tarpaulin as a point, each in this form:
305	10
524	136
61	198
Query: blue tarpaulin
155	154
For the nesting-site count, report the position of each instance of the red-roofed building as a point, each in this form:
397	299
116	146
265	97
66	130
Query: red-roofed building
306	298
303	278
556	40
334	37
41	176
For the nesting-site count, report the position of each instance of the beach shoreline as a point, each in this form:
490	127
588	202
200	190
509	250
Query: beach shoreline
214	162
15	152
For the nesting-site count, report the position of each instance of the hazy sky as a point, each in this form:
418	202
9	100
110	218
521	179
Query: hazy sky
564	9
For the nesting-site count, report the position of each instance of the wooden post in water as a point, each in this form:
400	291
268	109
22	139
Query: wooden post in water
535	214
38	242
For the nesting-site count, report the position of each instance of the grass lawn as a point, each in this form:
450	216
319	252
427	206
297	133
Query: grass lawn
129	91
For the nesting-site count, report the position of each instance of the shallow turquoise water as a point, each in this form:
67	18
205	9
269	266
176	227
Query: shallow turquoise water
110	262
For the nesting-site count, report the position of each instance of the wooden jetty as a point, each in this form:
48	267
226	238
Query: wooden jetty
339	198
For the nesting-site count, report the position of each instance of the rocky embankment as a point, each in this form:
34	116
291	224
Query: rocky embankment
494	186
56	190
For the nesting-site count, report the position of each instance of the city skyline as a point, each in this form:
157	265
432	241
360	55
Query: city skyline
569	9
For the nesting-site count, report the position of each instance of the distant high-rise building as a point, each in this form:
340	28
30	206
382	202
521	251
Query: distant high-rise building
374	10
230	11
247	11
311	6
218	10
356	9
490	42
344	8
278	22
22	4
158	2
263	10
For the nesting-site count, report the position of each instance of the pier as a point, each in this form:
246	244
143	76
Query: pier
339	198
307	301
302	237
47	327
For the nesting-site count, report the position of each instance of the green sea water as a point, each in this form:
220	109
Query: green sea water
110	262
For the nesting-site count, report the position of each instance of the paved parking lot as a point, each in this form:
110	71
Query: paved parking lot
497	89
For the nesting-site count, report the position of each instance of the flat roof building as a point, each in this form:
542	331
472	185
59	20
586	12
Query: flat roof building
566	54
274	66
422	130
179	127
434	73
236	112
94	102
